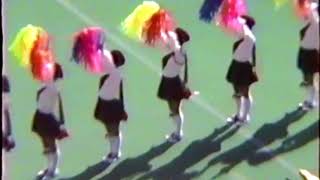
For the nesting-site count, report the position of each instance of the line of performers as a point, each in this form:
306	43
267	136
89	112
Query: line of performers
158	30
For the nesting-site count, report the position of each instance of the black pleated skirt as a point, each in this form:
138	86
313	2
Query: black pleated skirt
241	74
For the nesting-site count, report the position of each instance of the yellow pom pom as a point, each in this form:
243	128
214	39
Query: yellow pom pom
23	43
133	24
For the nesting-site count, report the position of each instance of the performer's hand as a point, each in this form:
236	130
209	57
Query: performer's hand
63	132
125	116
9	144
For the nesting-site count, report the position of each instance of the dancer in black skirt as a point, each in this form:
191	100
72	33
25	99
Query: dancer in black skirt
8	142
47	126
172	88
7	139
308	56
110	108
241	73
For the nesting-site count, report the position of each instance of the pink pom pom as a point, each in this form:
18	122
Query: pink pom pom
88	49
303	8
230	12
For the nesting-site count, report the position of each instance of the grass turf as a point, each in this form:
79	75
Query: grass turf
143	149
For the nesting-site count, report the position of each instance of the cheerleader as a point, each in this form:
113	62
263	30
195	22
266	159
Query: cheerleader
8	142
110	110
173	88
89	51
241	73
47	126
155	26
308	56
31	46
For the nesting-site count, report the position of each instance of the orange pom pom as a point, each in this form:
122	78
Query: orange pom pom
160	22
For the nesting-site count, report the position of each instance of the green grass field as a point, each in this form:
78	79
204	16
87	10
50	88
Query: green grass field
198	156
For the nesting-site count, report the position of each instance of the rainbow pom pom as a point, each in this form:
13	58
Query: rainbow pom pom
23	43
147	22
134	23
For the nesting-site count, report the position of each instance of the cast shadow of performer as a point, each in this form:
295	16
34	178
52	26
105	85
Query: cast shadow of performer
90	172
289	144
134	166
264	136
194	153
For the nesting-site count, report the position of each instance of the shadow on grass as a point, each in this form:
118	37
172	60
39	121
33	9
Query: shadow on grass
246	151
134	166
193	154
90	172
291	143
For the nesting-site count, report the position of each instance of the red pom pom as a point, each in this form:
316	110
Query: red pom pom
42	60
303	8
160	22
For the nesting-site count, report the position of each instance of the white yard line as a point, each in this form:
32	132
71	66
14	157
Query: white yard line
197	100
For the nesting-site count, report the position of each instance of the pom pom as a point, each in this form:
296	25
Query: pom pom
303	7
23	43
160	22
88	49
209	9
41	59
230	12
133	24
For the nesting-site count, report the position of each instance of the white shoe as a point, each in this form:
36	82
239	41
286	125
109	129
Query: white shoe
174	137
41	174
111	157
245	121
307	106
233	119
50	175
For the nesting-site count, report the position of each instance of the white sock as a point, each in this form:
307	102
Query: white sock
53	159
178	120
310	94
242	108
4	165
113	144
314	96
119	143
247	107
238	103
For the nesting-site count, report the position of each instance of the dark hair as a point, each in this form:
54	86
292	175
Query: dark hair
118	58
58	73
183	36
250	22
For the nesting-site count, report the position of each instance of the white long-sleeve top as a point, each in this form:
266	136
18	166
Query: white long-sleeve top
48	98
310	38
110	88
243	52
174	65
